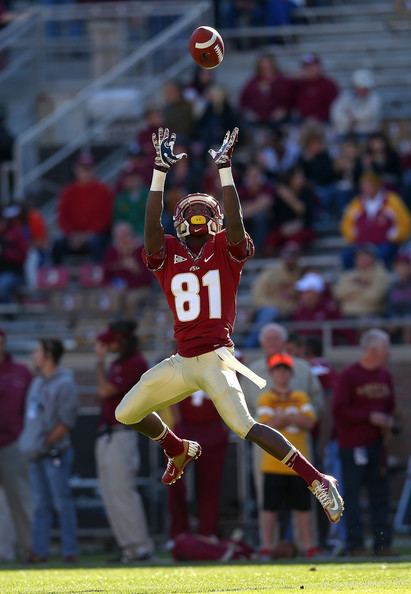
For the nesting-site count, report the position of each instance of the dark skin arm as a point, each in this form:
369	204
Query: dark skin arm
153	229
163	144
231	203
233	215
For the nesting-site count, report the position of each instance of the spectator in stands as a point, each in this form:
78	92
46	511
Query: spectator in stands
257	197
14	382
291	412
348	169
292	211
84	214
362	291
218	117
278	153
267	97
177	111
314	303
363	407
375	216
399	296
14	247
117	454
197	418
383	159
317	165
124	270
314	92
359	110
273	293
51	412
130	202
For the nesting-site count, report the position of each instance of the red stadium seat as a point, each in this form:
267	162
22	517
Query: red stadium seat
52	277
91	275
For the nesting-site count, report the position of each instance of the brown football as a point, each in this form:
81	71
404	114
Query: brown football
206	47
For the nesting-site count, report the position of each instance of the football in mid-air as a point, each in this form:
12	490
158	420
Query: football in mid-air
206	47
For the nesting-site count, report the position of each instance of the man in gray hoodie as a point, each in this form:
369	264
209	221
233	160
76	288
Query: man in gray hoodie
51	412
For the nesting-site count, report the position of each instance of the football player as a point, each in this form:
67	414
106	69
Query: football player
199	272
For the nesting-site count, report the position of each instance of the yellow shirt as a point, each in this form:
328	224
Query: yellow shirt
268	405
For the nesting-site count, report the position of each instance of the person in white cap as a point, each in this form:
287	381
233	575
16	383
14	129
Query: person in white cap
315	304
358	110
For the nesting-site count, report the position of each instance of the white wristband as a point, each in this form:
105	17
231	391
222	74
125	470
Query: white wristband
158	181
226	176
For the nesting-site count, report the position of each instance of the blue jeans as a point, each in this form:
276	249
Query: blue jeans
373	476
49	482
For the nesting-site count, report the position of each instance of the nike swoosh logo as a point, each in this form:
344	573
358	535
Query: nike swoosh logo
196	229
335	507
209	257
172	473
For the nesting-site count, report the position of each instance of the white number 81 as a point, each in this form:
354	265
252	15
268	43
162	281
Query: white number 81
186	290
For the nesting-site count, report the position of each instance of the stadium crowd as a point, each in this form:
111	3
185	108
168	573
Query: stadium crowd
309	159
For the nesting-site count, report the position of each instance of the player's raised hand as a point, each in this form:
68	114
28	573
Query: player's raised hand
164	146
222	157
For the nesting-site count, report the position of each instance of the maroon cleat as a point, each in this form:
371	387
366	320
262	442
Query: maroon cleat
175	466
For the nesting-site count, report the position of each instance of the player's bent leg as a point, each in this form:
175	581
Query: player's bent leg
161	386
323	487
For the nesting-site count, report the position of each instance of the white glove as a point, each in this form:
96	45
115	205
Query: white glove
164	146
222	157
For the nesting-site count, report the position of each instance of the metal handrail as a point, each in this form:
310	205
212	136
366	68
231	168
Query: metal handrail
137	57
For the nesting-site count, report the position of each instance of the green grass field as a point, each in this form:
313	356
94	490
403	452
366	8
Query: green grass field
373	577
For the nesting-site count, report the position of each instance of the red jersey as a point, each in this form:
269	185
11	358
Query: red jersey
201	290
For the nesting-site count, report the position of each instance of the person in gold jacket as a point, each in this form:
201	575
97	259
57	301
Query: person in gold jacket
363	290
376	216
291	412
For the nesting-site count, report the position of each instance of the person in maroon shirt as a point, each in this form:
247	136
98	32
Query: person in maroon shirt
84	214
15	379
117	454
268	96
363	407
197	418
314	92
124	271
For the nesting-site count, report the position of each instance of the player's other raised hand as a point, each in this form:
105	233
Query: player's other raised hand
163	144
222	157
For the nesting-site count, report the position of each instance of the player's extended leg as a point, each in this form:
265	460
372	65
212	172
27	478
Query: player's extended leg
223	387
161	386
